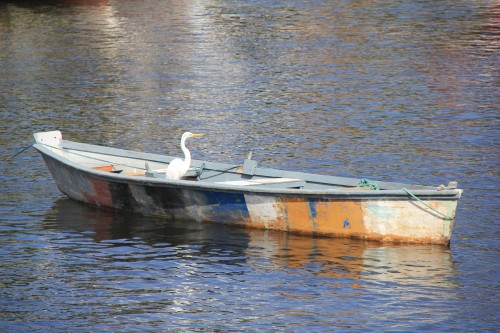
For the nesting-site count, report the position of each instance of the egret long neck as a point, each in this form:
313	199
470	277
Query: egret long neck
187	154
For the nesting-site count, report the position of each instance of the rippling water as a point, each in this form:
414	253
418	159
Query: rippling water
397	91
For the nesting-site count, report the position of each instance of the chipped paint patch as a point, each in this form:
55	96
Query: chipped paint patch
265	211
403	219
312	208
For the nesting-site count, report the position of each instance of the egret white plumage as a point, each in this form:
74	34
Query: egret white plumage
178	167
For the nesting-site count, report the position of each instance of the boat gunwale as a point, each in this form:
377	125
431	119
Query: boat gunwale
424	194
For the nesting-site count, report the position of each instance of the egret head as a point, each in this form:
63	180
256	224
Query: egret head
190	135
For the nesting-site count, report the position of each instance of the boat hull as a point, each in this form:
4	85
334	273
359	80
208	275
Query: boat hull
399	220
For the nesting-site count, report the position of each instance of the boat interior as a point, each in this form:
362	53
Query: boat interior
138	164
143	166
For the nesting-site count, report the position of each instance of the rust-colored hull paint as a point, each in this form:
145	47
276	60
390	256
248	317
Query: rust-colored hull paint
400	221
341	218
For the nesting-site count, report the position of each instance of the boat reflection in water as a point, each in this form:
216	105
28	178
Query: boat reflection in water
363	264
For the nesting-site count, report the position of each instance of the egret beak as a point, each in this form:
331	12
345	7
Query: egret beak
194	134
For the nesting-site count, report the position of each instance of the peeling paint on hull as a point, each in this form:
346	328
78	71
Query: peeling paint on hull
385	220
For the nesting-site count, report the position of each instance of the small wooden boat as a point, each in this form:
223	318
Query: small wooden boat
250	196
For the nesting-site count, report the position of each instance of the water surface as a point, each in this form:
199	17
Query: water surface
405	91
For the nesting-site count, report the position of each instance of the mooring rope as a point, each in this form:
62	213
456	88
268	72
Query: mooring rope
446	217
22	151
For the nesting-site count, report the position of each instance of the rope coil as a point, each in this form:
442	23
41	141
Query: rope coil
366	182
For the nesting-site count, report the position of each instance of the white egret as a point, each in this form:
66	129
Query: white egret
178	167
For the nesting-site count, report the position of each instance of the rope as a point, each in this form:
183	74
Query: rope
220	172
365	182
200	170
446	217
22	151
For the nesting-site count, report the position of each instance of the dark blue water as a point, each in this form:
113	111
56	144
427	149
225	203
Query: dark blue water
397	91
